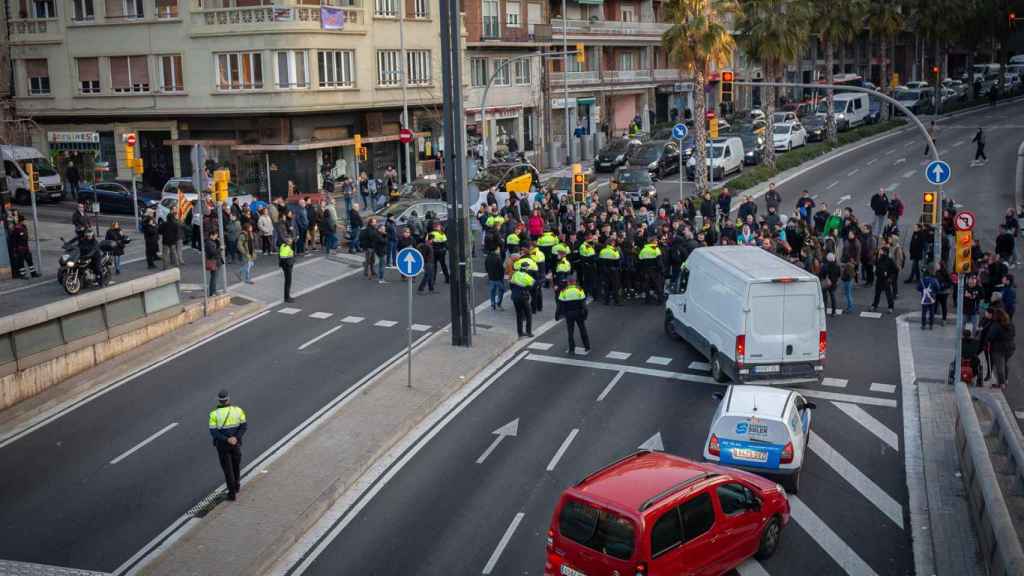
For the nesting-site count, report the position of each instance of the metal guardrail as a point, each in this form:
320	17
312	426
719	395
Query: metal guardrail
997	536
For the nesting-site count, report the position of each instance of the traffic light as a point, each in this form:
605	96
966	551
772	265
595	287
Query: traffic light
930	208
581	55
364	154
33	178
962	260
713	125
935	70
357	141
129	154
579	184
220	184
138	166
725	87
1013	19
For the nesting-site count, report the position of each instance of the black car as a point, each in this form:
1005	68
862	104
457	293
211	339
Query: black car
669	163
614	154
636	183
114	197
816	127
648	154
753	146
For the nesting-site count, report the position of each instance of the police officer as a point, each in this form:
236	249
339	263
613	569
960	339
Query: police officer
546	242
227	426
572	304
522	283
587	269
539	274
609	266
650	270
440	242
286	259
562	270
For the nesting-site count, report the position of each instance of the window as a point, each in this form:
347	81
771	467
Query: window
44	9
418	67
38	73
628	15
129	9
240	71
388	72
512	14
129	74
522	72
667	533
291	69
421	9
502	73
166	8
478	72
698	516
336	70
171	78
734	498
626	61
490	15
89	75
82	10
599	530
387	8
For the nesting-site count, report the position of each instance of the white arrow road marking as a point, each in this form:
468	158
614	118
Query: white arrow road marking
503	543
561	449
140	445
852	172
653	443
899	161
832	185
908	174
844	198
510	429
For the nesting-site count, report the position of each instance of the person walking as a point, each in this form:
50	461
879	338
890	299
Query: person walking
170	236
246	248
495	278
151	235
440	243
829	275
227	427
522	286
929	289
213	259
380	247
286	260
426	248
848	277
880	207
933	134
918	240
24	266
885	273
572	305
73	178
979	151
355	225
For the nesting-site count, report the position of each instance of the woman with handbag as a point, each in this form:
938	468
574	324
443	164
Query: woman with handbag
213	259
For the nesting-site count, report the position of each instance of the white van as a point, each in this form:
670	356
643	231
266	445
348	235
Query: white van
761	429
851	109
752	314
725	156
15	159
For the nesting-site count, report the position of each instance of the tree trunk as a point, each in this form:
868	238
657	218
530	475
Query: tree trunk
830	116
886	80
700	151
769	110
870	76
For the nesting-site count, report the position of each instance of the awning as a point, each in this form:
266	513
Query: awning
585	101
318	145
199	142
593	2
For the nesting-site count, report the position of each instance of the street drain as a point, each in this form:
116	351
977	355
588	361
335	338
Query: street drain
207	504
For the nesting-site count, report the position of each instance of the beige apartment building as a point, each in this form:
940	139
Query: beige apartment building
275	91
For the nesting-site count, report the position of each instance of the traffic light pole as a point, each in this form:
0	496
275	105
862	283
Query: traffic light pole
35	227
958	360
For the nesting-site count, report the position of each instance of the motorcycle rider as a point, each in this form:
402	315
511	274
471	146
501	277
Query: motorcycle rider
89	249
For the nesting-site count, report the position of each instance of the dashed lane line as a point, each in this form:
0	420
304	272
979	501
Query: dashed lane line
615	355
751	568
385	323
352	319
834	382
890	151
871	423
852	172
832	185
290	311
702	366
659	360
958	143
872	161
883	388
829	541
142	444
870	314
503	543
608	388
321	337
561	449
419	327
857	479
321	315
908	173
540	345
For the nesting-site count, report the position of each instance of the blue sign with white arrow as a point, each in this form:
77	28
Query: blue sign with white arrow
410	262
679	131
937	172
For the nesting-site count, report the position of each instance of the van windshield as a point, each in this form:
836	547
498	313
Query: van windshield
838	106
40	165
599	530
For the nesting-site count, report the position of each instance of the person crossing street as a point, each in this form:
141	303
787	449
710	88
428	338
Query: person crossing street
572	305
522	283
979	151
227	427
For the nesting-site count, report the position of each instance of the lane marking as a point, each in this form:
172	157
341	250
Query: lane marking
834	382
352	319
28	286
872	424
142	444
385	323
1019	414
321	337
870	314
852	172
654	443
493	560
885	388
613	355
854	477
510	429
419	327
702	366
958	143
580	351
890	150
814	196
892	186
872	161
908	173
561	449
908	144
842	397
479	274
832	185
608	388
751	568
540	346
829	541
290	311
659	360
321	315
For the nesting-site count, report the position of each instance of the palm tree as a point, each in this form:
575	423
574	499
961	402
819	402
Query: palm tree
699	36
837	25
885	18
772	32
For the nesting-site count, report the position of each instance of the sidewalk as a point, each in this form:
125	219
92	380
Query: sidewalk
317	469
954	548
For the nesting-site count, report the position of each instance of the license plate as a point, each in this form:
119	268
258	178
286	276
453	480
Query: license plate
766	369
749	455
567	571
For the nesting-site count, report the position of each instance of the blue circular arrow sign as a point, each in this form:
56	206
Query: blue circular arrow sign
937	172
410	262
679	131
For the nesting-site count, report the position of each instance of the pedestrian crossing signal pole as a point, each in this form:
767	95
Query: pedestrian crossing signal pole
33	187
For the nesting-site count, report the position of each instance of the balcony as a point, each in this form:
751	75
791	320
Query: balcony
614	28
36	31
269	19
603	77
576	78
667	74
626	75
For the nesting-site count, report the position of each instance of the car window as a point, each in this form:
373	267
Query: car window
596	529
667	532
698	516
732	498
858	104
11	169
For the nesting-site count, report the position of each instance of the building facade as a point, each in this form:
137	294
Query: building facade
274	91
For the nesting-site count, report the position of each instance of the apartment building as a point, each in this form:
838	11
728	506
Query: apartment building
274	90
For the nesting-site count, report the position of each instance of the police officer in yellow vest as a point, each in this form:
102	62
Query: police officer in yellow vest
562	270
572	305
513	240
227	426
650	270
522	283
546	242
440	243
540	275
609	259
286	258
586	271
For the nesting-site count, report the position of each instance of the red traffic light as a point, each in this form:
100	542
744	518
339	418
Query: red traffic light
935	69
727	76
710	115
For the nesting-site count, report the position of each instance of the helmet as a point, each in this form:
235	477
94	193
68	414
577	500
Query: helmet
88	233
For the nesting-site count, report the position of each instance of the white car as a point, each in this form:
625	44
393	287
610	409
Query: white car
761	429
787	136
170	191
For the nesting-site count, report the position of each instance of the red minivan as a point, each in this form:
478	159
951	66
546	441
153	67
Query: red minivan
652	513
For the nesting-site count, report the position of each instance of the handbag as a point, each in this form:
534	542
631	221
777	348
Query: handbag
211	265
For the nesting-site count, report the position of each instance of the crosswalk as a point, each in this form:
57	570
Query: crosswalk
323	316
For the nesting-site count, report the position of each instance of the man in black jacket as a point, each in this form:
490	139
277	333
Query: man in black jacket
880	207
495	278
572	305
916	253
885	273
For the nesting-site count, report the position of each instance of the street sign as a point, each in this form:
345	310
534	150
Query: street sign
405	135
679	131
964	221
410	262
130	140
937	172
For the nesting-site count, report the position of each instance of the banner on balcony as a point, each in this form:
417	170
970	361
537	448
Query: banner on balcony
282	14
332	18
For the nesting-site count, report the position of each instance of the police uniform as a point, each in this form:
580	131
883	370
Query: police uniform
539	274
227	422
562	270
286	259
440	240
609	265
586	271
650	269
572	304
546	242
522	283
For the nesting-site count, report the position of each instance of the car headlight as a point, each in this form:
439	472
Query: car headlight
71	264
750	153
652	165
841	116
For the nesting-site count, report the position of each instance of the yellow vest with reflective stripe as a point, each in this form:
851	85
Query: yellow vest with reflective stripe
560	248
537	256
512	239
226	417
525	263
438	236
572	294
285	251
563	266
609	253
521	279
547	240
650	252
495	221
586	250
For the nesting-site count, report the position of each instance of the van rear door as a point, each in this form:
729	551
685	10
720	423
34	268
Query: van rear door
801	315
765	325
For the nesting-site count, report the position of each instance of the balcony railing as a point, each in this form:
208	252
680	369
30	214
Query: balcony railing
35	30
626	75
667	74
607	28
585	77
253	18
607	76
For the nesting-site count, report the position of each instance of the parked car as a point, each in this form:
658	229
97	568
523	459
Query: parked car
648	154
16	159
170	190
655	513
115	197
918	101
801	109
725	156
614	154
816	127
850	109
787	136
957	86
917	85
403	209
753	146
637	185
783	117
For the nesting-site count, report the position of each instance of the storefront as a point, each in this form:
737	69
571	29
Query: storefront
80	148
509	129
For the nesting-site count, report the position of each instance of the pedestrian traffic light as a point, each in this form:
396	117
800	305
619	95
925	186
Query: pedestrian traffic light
962	260
935	70
713	124
221	178
33	178
364	154
139	167
930	208
129	153
725	86
581	54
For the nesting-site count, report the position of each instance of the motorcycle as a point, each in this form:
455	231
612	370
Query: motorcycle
74	271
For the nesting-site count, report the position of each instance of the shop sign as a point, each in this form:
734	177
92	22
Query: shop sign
73	137
683	87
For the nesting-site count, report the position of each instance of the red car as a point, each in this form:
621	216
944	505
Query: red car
652	513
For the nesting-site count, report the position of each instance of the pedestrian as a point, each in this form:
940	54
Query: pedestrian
1000	337
117	240
917	246
355	227
979	151
885	273
170	237
213	259
266	229
301	221
880	206
232	230
1005	246
286	260
829	276
972	301
933	135
380	246
848	276
1009	293
572	305
440	243
945	285
929	289
246	249
197	219
151	235
79	220
391	232
367	241
329	227
227	427
772	198
495	278
426	248
73	179
522	283
24	265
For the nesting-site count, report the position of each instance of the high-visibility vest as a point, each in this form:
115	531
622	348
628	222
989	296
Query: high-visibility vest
563	266
572	294
561	248
586	250
495	221
537	256
547	240
650	252
609	253
512	239
226	418
286	251
525	264
437	236
522	279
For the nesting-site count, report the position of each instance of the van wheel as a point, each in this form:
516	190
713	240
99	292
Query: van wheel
670	328
716	369
792	483
770	539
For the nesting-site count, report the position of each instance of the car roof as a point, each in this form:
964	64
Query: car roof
638	481
762	401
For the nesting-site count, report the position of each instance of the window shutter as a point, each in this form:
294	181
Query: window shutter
88	70
36	68
140	70
115	8
119	72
